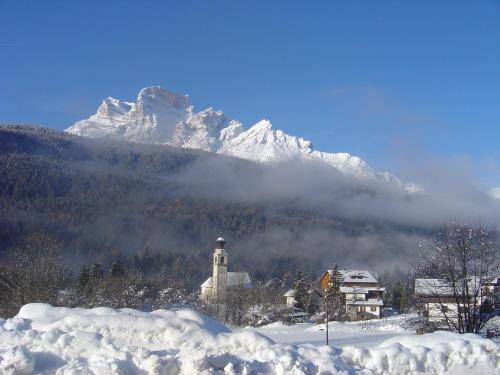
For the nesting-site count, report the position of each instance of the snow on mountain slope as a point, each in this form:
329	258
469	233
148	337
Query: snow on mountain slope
494	193
163	117
151	119
264	144
202	130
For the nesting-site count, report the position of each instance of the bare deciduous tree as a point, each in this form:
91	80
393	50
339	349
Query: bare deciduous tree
457	266
31	273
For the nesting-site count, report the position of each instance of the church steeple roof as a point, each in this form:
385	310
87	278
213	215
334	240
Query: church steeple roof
221	242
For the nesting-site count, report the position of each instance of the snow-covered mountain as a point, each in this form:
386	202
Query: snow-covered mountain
494	193
160	116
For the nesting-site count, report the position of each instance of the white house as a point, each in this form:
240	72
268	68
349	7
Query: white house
290	298
215	287
440	302
361	290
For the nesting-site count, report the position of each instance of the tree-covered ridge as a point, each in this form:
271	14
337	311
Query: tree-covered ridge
102	199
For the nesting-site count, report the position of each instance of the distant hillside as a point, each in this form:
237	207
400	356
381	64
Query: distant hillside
105	198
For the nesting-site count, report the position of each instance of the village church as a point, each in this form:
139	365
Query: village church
215	287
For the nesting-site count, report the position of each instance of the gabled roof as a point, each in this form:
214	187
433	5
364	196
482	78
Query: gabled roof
207	283
233	279
290	293
443	288
238	278
356	276
432	287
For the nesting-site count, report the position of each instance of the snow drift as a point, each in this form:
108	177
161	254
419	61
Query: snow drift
46	339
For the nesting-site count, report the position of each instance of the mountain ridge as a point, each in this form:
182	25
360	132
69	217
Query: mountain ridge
160	116
103	198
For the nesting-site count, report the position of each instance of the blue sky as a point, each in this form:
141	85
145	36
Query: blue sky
404	85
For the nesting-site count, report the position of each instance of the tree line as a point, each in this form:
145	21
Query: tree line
101	199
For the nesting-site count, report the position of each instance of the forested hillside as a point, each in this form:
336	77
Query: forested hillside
167	205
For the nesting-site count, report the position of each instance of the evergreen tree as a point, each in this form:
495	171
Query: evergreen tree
301	291
96	271
387	296
334	299
84	277
117	269
487	307
398	296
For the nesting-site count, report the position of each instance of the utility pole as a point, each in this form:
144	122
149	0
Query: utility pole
326	309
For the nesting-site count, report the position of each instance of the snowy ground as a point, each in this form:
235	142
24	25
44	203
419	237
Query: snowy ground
361	335
46	340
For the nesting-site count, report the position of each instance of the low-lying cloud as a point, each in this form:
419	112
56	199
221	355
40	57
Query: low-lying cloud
313	185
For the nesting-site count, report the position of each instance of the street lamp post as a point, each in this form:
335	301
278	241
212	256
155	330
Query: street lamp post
326	310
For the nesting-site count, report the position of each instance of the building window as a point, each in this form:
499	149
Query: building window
373	308
222	259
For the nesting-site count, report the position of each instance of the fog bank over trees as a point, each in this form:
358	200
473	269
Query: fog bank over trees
102	199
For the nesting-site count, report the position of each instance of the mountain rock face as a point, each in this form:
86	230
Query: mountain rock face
160	116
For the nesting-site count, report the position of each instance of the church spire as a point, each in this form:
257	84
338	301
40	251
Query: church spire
219	275
221	242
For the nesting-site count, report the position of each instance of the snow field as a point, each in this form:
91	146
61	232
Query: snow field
54	340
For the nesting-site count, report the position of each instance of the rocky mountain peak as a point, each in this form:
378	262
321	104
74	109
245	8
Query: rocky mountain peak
161	116
155	98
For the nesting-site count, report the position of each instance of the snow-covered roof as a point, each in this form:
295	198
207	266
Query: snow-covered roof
441	287
220	239
238	278
207	283
233	279
290	293
356	276
432	287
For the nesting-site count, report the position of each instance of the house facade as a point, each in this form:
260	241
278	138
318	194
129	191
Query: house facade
215	287
437	299
290	298
361	291
440	302
492	291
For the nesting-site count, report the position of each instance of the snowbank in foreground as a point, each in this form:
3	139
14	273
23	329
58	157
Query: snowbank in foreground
45	339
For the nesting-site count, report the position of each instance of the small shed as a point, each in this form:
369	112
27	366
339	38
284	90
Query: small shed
296	317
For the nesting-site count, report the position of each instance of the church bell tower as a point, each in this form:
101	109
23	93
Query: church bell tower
219	276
